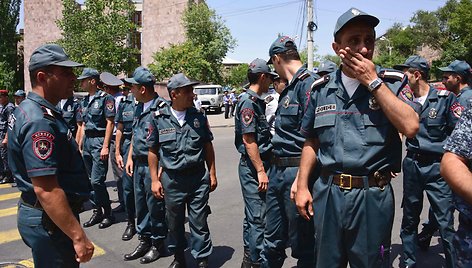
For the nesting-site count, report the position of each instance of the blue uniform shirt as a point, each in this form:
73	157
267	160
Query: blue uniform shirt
438	117
180	147
96	109
5	112
464	96
460	143
125	114
72	113
142	125
293	101
250	118
355	136
40	143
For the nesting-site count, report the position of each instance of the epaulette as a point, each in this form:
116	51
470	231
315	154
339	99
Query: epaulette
161	103
303	76
323	80
254	99
103	93
443	93
75	100
47	113
391	75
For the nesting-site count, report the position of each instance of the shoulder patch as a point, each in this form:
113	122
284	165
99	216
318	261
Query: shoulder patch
323	80
303	76
444	93
247	115
42	144
47	113
456	109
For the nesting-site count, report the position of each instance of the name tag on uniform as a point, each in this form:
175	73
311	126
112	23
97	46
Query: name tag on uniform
166	131
325	108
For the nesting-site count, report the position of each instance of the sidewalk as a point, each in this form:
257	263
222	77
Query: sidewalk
218	120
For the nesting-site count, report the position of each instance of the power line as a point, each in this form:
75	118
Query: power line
258	9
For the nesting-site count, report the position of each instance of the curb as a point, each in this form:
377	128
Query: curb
221	126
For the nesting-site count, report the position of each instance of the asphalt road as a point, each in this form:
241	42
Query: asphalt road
225	223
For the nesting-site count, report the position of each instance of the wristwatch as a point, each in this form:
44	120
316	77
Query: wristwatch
375	84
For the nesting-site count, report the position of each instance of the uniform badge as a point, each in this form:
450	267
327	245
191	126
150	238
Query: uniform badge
196	123
373	105
457	109
355	12
96	105
432	113
286	102
247	115
110	105
268	99
42	144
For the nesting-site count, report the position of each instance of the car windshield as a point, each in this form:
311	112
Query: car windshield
205	91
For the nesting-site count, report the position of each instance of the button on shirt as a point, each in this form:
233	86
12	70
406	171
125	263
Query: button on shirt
40	143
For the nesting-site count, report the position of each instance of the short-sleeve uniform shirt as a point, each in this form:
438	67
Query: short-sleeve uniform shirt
96	109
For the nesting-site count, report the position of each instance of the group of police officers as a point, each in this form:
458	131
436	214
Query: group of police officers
319	182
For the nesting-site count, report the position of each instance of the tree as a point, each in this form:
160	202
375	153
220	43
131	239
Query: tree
237	76
10	75
98	35
208	40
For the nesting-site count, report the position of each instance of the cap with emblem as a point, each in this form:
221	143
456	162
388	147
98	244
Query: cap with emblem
87	73
142	76
459	67
50	54
327	66
110	80
354	14
178	81
281	45
260	66
3	92
416	62
20	93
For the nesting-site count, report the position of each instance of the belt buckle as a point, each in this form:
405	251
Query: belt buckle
343	178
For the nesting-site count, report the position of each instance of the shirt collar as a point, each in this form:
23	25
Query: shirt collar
41	101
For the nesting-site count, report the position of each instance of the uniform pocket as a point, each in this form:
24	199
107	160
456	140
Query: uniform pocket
376	129
436	128
168	141
289	116
324	128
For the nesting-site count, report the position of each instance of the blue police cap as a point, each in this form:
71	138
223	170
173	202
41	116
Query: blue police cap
416	62
110	80
280	45
354	14
87	73
178	81
459	67
141	76
327	66
260	66
50	54
20	93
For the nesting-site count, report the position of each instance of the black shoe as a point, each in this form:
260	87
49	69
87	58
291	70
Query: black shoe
106	222
7	180
154	252
96	218
246	259
179	261
202	263
424	239
119	209
129	232
141	250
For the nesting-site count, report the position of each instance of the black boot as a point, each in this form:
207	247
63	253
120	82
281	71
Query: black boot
108	219
202	263
424	238
246	259
141	249
97	217
179	261
130	231
154	252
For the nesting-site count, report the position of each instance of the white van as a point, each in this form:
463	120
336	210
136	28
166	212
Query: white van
211	97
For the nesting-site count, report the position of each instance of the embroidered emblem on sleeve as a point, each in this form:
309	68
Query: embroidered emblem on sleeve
457	109
110	104
247	115
42	144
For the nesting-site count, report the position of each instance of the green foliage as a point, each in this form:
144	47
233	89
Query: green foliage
237	76
98	35
7	77
11	77
200	56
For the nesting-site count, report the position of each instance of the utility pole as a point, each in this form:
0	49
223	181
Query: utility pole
309	32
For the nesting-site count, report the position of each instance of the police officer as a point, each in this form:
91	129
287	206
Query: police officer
352	126
439	114
252	140
150	211
19	96
326	67
98	109
47	165
283	222
180	141
72	112
124	132
455	167
6	109
227	101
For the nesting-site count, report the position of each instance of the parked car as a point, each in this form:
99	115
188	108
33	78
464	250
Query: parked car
211	97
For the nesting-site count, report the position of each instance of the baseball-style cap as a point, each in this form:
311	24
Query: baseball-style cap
280	45
260	66
459	67
354	14
327	66
141	76
110	80
416	62
50	54
20	93
3	92
87	73
178	81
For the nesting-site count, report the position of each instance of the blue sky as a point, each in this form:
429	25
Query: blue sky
256	23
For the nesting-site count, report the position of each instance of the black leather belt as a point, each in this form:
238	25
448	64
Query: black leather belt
264	156
94	133
28	201
286	161
348	181
424	157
